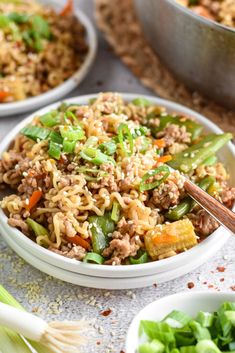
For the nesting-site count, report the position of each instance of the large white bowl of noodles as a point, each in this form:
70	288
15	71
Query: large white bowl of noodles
185	261
67	86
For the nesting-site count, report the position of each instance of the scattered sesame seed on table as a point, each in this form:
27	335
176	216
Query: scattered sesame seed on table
113	310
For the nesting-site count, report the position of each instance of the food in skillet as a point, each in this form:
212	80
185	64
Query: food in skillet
40	48
222	11
91	182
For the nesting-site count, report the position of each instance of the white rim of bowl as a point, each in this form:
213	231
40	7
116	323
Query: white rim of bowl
65	87
121	269
181	295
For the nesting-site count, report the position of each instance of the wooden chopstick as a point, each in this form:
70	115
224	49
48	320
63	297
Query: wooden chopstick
216	209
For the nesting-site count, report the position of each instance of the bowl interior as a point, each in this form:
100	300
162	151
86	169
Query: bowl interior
227	155
190	303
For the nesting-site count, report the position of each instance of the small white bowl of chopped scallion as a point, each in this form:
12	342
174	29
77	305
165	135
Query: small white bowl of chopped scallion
197	322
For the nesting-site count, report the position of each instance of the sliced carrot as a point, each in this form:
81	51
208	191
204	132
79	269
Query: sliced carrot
35	197
68	8
77	240
164	159
165	239
160	143
4	95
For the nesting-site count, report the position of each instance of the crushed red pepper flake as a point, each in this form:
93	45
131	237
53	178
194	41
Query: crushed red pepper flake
106	312
210	286
204	283
155	285
98	343
122	352
221	279
233	288
190	285
220	268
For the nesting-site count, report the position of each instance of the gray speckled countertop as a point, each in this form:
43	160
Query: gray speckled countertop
54	299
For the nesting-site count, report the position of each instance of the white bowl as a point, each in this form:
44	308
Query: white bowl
190	303
187	260
94	281
67	86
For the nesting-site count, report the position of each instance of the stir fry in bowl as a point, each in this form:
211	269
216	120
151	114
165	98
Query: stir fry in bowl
222	11
40	48
91	182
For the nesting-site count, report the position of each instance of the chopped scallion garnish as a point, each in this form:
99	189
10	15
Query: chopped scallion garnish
35	132
54	150
50	119
72	133
163	170
95	156
123	134
108	147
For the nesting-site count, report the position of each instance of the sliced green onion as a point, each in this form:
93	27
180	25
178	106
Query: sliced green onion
91	141
124	132
94	257
37	228
69	146
152	185
108	147
205	319
72	133
54	150
200	333
155	346
141	102
177	319
115	215
141	259
50	119
206	346
230	316
56	137
95	156
35	132
188	349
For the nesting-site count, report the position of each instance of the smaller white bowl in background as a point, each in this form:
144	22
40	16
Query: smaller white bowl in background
67	86
190	303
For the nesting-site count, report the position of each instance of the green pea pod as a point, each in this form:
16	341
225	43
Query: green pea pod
101	226
193	156
187	204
